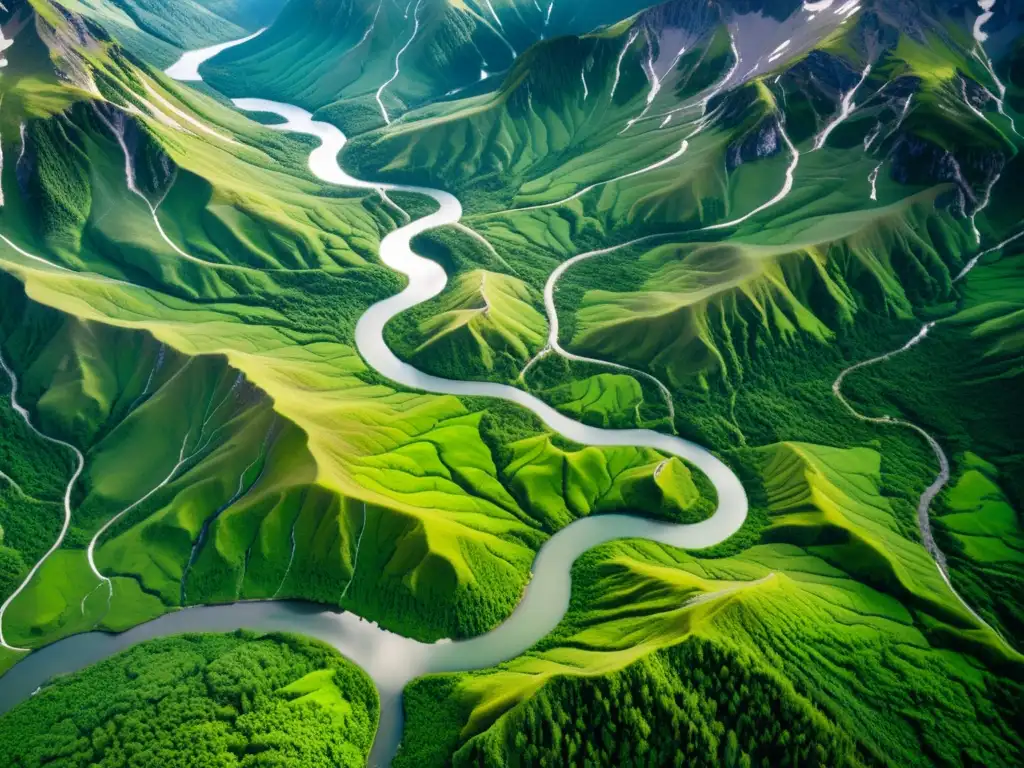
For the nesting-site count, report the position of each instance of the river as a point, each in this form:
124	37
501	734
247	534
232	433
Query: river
391	660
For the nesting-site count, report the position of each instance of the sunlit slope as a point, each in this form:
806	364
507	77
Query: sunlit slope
699	310
849	180
198	285
962	386
109	392
845	660
159	32
484	321
364	62
179	218
405	483
560	485
827	501
563	108
983	536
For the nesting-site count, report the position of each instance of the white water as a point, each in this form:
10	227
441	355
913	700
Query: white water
633	35
355	557
974	262
982	205
787	185
398	61
650	70
187	67
367	33
873	180
986	7
899	122
427	279
79	467
980	54
845	111
90	551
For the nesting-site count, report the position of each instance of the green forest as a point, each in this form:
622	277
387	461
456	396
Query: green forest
700	703
200	701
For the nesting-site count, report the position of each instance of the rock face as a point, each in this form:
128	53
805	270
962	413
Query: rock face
151	168
765	140
693	20
917	161
824	70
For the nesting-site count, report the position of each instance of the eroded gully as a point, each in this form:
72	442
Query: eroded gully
389	659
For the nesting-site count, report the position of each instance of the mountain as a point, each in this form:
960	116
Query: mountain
365	62
732	110
778	238
160	32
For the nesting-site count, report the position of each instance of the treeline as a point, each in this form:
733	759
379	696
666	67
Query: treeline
697	704
201	700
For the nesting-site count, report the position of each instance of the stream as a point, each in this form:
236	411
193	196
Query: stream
390	660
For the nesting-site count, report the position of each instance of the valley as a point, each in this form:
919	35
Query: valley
625	423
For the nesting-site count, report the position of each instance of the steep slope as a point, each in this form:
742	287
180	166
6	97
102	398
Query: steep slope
486	321
783	638
778	173
365	62
160	32
329	484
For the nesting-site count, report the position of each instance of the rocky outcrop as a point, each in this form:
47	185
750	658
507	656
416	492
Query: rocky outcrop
765	140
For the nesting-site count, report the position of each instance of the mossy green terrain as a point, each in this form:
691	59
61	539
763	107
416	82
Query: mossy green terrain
335	58
239	699
241	308
181	295
863	669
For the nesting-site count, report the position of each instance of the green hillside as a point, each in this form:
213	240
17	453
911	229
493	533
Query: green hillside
786	232
362	63
780	653
201	698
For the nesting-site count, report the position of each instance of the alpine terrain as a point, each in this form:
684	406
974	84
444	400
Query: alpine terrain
511	383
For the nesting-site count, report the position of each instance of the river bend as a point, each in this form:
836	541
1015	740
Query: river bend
391	660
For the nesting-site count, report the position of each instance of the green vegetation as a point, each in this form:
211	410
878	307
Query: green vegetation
226	700
214	305
606	400
984	542
485	322
868	673
698	703
559	485
332	58
159	33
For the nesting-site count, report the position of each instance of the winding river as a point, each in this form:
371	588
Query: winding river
393	661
